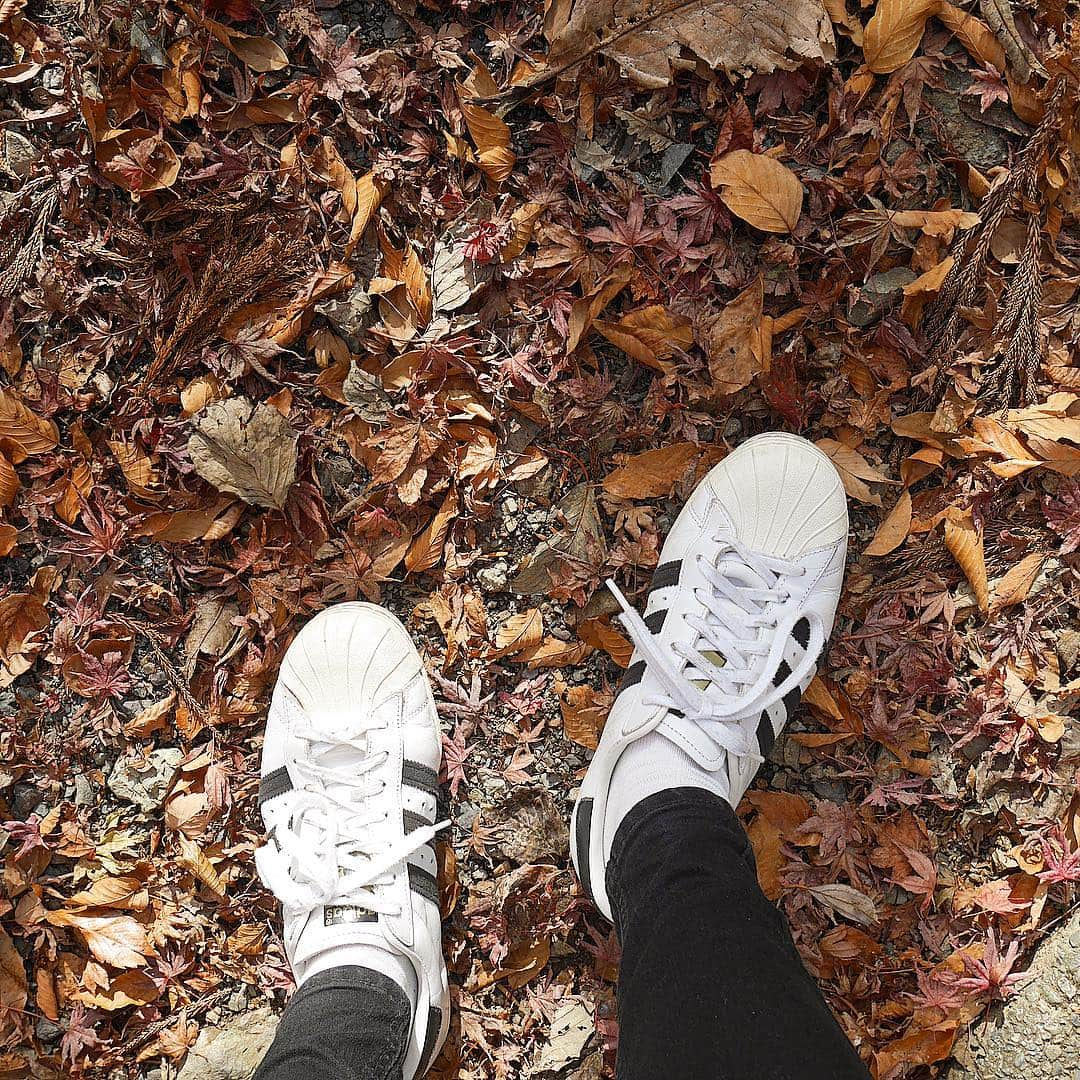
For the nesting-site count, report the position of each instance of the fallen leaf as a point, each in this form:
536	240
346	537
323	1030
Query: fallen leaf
758	189
733	36
653	473
521	631
848	902
892	532
13	985
492	139
735	341
22	618
426	550
114	939
650	335
246	450
854	470
894	31
1015	585
19	423
584	711
965	542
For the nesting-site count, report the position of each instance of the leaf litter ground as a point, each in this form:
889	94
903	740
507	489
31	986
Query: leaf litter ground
449	310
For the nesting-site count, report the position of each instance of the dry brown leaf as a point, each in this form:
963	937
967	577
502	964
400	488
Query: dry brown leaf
9	536
519	632
758	189
894	31
128	988
370	192
113	939
765	839
735	341
600	634
492	139
650	335
9	482
732	35
193	858
854	470
127	891
974	35
934	222
13	987
427	549
19	423
553	652
923	1046
965	543
245	449
652	474
22	618
584	711
1015	585
892	532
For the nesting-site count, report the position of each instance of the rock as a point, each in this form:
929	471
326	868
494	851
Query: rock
145	781
493	578
1033	1035
880	292
231	1052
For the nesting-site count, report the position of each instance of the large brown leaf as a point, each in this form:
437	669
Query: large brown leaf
646	37
246	450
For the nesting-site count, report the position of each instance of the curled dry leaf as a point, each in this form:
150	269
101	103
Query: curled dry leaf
584	711
854	471
892	532
758	189
113	939
427	549
965	543
245	449
653	473
736	340
650	335
733	35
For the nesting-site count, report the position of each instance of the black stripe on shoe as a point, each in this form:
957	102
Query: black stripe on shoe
424	883
632	676
801	632
582	832
766	737
666	575
413	821
782	672
431	1037
791	700
274	784
420	777
655	621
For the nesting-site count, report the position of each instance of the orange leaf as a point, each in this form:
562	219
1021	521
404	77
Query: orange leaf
9	482
653	473
758	189
492	139
965	543
893	33
17	422
114	939
519	632
1014	587
736	341
427	548
650	335
12	974
892	532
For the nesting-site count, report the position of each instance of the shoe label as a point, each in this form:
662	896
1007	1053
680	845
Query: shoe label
341	914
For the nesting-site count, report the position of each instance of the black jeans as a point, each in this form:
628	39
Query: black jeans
711	986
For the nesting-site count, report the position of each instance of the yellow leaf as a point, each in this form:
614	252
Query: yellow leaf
758	189
653	473
519	632
892	532
965	543
893	33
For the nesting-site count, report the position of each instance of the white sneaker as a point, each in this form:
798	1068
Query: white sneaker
348	795
737	617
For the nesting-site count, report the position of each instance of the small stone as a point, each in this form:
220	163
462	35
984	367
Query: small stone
233	1051
510	505
494	578
145	781
84	790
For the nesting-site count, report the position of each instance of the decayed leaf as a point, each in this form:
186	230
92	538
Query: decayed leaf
245	449
759	189
519	632
582	537
114	939
492	139
650	335
965	542
19	423
893	33
892	532
733	35
22	618
848	902
653	473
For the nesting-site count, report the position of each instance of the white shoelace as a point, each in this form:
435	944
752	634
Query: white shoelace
744	594
334	849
